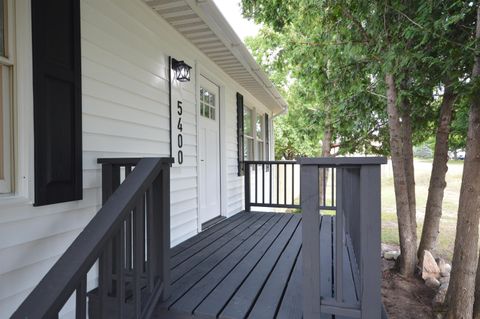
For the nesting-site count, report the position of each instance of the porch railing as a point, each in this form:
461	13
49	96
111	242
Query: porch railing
357	225
347	187
129	238
276	184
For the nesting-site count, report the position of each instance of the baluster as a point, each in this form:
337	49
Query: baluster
263	183
256	183
137	255
333	187
278	184
293	184
285	184
271	182
81	299
120	271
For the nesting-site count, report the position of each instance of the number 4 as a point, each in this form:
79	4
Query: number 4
180	125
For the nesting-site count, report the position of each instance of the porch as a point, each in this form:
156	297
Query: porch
250	265
321	262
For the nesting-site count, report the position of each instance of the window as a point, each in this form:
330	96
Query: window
248	133
254	135
5	100
260	137
207	104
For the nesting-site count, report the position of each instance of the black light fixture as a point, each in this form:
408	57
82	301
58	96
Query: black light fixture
182	70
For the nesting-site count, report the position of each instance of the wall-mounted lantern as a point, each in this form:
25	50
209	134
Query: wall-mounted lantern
182	70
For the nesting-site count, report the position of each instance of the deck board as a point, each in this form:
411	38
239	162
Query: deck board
249	266
189	301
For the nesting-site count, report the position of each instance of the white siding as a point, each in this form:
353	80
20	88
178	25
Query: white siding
125	48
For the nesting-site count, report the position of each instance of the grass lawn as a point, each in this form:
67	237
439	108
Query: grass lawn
422	178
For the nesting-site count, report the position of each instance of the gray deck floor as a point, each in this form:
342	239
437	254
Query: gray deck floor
248	266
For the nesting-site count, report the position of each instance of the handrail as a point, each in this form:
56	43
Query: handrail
69	272
341	161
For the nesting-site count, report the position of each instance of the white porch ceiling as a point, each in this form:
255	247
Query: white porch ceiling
202	24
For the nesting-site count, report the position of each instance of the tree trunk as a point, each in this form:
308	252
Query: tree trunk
433	211
409	169
327	141
465	256
407	239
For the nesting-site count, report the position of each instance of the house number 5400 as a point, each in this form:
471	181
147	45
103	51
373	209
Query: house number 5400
180	136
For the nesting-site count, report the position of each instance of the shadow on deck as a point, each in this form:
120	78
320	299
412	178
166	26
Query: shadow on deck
250	265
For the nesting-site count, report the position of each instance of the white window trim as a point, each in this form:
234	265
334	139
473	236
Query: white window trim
22	105
7	82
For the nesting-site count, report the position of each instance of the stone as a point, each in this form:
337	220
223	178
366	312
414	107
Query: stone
431	282
391	255
439	298
429	266
444	280
444	267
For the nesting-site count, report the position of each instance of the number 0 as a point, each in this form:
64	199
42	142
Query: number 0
180	140
180	157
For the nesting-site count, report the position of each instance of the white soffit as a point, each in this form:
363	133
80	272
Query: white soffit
202	24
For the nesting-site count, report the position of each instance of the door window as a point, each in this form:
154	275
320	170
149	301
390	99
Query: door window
207	104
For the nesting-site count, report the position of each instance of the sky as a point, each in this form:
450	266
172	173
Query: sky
233	14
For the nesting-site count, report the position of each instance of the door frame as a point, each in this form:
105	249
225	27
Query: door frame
201	71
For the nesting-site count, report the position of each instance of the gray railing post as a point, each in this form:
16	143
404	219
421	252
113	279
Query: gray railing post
165	230
339	236
309	188
370	223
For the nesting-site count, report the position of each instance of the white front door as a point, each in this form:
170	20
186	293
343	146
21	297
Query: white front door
209	150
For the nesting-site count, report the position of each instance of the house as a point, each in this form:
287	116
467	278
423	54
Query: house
99	99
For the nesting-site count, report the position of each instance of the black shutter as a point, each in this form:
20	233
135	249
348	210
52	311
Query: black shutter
57	100
240	129
267	138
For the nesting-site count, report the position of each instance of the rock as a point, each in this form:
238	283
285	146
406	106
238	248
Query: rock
391	255
444	267
432	283
439	298
429	266
444	280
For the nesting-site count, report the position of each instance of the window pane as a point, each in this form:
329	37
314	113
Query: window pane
248	149
2	27
260	151
212	113
206	110
5	140
201	108
247	120
259	126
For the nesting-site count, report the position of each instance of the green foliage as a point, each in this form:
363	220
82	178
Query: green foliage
331	57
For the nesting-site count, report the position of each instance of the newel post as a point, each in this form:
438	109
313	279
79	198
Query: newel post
309	188
370	225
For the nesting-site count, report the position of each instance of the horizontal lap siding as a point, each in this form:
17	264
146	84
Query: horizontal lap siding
234	182
125	114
